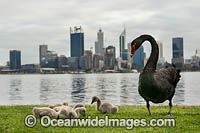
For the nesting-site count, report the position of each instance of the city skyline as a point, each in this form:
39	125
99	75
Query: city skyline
26	25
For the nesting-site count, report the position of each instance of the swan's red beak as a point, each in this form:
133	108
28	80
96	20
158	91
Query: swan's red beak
132	50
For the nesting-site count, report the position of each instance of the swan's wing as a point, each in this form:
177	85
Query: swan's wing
167	76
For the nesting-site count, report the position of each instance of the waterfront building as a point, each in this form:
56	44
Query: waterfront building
77	42
161	59
73	63
62	61
96	62
43	49
177	53
122	43
48	59
138	58
110	60
15	59
99	44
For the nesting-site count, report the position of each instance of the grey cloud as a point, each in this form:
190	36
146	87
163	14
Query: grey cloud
26	24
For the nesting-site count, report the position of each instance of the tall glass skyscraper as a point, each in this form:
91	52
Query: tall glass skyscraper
15	59
122	42
138	58
177	54
99	43
77	42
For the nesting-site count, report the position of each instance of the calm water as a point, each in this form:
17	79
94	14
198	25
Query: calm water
119	88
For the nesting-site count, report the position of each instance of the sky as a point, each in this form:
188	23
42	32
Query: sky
26	24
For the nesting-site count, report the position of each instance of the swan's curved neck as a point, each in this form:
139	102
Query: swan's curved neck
153	59
98	103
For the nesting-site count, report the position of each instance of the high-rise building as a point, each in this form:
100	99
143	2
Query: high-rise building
96	62
73	63
161	59
43	49
138	58
122	42
125	54
177	54
62	61
88	59
160	46
15	59
99	43
77	42
48	59
110	57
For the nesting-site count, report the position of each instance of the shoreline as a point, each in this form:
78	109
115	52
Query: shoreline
75	73
154	105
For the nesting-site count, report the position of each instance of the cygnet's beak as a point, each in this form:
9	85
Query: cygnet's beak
92	102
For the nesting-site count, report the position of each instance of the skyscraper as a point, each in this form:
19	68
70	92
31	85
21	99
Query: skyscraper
177	54
99	43
48	59
15	59
161	59
160	46
43	49
122	42
77	42
138	58
110	57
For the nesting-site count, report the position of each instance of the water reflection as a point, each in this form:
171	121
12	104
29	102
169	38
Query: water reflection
100	87
78	90
179	96
44	90
15	90
116	88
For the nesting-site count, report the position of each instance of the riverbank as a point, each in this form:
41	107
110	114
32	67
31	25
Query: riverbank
187	119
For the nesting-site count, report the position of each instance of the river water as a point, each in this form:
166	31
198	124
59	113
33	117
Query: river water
118	88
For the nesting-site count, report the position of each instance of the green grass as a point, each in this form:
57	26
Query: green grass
187	119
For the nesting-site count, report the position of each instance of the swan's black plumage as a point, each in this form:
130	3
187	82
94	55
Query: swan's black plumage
156	86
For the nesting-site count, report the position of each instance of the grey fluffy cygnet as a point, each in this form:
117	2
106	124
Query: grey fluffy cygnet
56	105
45	111
80	111
68	112
78	105
104	107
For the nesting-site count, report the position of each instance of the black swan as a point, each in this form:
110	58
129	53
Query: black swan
156	86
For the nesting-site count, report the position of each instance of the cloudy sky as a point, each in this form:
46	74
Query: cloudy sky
25	24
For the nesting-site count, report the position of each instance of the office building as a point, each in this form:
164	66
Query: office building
62	61
88	59
138	58
43	49
122	42
110	60
77	42
15	59
96	62
73	63
177	53
48	59
161	59
99	44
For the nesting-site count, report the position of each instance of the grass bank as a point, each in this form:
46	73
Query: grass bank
187	119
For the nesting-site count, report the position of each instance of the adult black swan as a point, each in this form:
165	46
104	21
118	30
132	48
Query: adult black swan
156	86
